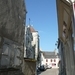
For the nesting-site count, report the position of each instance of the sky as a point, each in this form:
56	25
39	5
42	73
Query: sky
43	18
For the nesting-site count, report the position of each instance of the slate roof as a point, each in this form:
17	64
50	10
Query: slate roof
50	55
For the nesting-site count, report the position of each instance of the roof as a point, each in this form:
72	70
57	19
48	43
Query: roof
50	54
31	28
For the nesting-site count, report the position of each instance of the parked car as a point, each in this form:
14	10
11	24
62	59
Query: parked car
43	68
38	69
49	66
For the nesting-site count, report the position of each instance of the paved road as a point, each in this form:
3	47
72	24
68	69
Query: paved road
50	72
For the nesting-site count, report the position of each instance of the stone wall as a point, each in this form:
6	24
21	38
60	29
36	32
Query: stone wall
12	15
12	27
29	67
11	72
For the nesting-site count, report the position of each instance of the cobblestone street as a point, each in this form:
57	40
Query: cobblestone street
50	72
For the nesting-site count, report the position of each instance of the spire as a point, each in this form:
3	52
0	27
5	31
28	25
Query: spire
29	21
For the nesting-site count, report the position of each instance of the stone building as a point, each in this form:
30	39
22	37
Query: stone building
50	59
66	37
62	66
31	50
12	28
28	48
36	45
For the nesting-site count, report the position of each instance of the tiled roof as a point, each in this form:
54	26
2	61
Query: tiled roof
50	54
32	29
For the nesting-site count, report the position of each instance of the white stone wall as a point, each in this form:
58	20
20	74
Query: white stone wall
36	43
53	62
43	61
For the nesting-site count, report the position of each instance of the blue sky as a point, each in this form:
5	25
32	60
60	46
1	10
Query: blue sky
43	17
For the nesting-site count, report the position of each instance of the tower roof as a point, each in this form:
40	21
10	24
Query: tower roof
32	29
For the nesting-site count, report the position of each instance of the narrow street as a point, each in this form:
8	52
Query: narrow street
50	72
37	37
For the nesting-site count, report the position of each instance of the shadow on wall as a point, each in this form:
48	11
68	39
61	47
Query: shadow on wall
11	72
30	67
38	73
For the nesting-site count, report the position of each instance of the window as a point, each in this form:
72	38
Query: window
46	60
54	60
53	64
51	60
46	63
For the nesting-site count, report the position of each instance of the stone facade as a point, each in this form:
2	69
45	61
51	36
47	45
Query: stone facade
11	72
31	46
65	29
12	28
12	20
29	67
